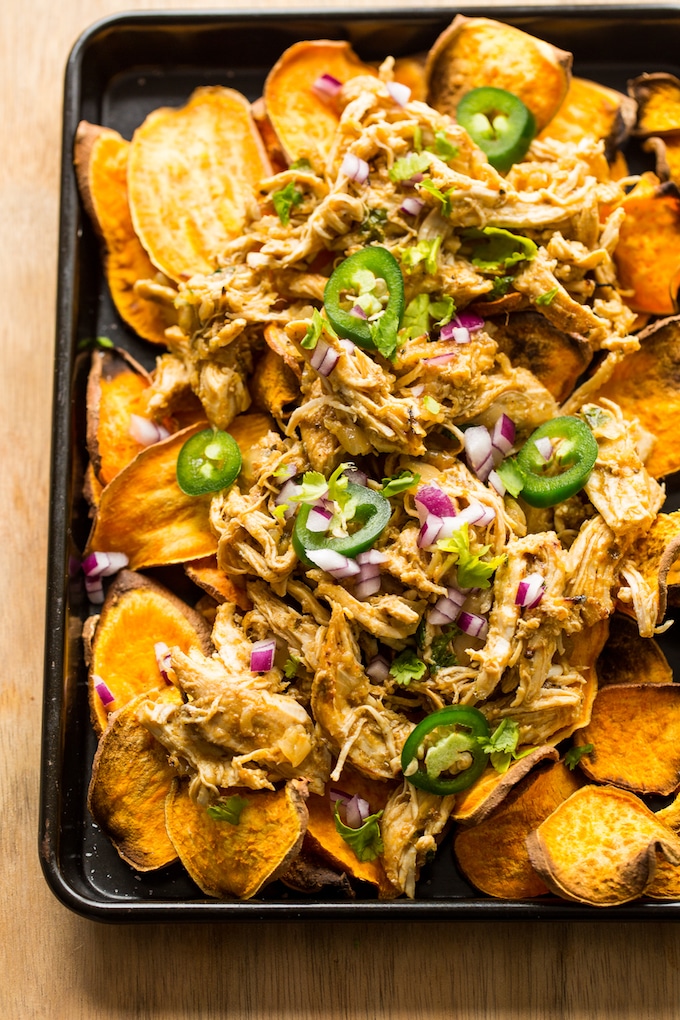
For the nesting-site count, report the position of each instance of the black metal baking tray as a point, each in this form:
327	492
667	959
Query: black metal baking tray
120	70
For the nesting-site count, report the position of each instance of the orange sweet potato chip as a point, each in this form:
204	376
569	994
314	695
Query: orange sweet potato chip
481	799
115	390
207	575
473	52
493	854
635	733
273	386
666	882
410	71
628	658
226	860
599	847
212	147
556	358
593	109
137	613
657	96
144	513
304	120
647	255
130	780
655	552
100	157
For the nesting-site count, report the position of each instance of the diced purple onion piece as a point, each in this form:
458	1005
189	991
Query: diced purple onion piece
440	359
470	321
378	668
477	513
496	481
400	93
288	490
478	449
356	811
447	608
164	659
429	531
530	591
417	391
356	476
454	331
367	586
358	312
473	625
411	205
434	501
104	564
372	556
503	435
355	168
334	563
347	345
327	85
95	590
262	655
545	447
324	358
105	695
146	432
319	518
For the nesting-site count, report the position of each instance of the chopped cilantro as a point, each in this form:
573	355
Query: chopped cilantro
502	745
473	571
373	223
595	416
443	148
290	666
409	166
228	809
314	487
494	249
419	312
511	476
406	667
441	654
279	512
314	330
301	164
366	841
501	286
548	297
574	755
285	200
424	251
399	483
441	196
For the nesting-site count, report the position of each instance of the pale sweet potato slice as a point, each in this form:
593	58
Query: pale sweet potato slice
473	52
666	882
556	358
593	109
100	157
209	147
634	730
493	853
144	513
130	780
207	575
227	860
136	614
653	554
628	658
482	799
115	390
599	847
305	121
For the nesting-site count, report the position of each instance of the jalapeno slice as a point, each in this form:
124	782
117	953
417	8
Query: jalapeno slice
208	462
364	299
551	480
372	514
500	124
441	740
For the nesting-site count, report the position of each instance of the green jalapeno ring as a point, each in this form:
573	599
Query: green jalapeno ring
472	723
499	123
372	512
209	461
578	451
384	266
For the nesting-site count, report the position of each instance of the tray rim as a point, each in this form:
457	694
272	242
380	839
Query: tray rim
55	711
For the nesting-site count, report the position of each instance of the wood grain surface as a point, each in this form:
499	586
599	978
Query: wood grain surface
57	966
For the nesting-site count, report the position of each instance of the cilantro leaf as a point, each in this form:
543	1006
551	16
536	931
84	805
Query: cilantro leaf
373	222
285	200
548	297
314	487
574	754
502	745
443	148
493	249
473	571
511	476
399	483
421	311
290	666
366	841
501	286
301	164
314	330
424	251
409	166
441	655
443	197
406	667
228	809
384	336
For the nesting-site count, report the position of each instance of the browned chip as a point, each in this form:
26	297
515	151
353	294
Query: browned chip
227	860
210	147
136	615
666	882
481	799
100	158
653	555
473	52
628	658
493	854
646	385
144	513
130	780
647	255
207	575
658	99
593	109
305	121
273	386
556	358
309	874
599	847
635	733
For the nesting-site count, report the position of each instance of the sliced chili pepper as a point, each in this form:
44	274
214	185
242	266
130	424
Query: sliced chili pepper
437	743
372	514
364	299
552	480
208	462
500	124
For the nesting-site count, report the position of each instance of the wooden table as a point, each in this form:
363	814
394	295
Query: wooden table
56	965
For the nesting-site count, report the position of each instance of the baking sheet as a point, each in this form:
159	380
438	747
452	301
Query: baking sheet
120	70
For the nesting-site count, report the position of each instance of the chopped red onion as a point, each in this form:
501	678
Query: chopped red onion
378	668
288	490
105	695
417	391
447	608
477	513
286	471
503	435
440	359
411	205
262	655
356	477
530	591
470	321
319	517
327	85
479	450
164	659
496	481
358	312
103	564
473	625
400	93
324	358
372	557
146	432
368	580
356	811
367	586
95	590
429	531
356	169
430	499
347	344
544	447
334	563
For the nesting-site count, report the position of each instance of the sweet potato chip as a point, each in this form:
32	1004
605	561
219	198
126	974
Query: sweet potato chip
593	109
137	613
599	847
667	155
410	71
556	358
211	147
144	513
207	575
635	733
475	804
304	119
130	780
493	854
273	386
647	255
100	157
653	554
115	390
227	860
309	874
657	96
666	882
628	658
473	52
